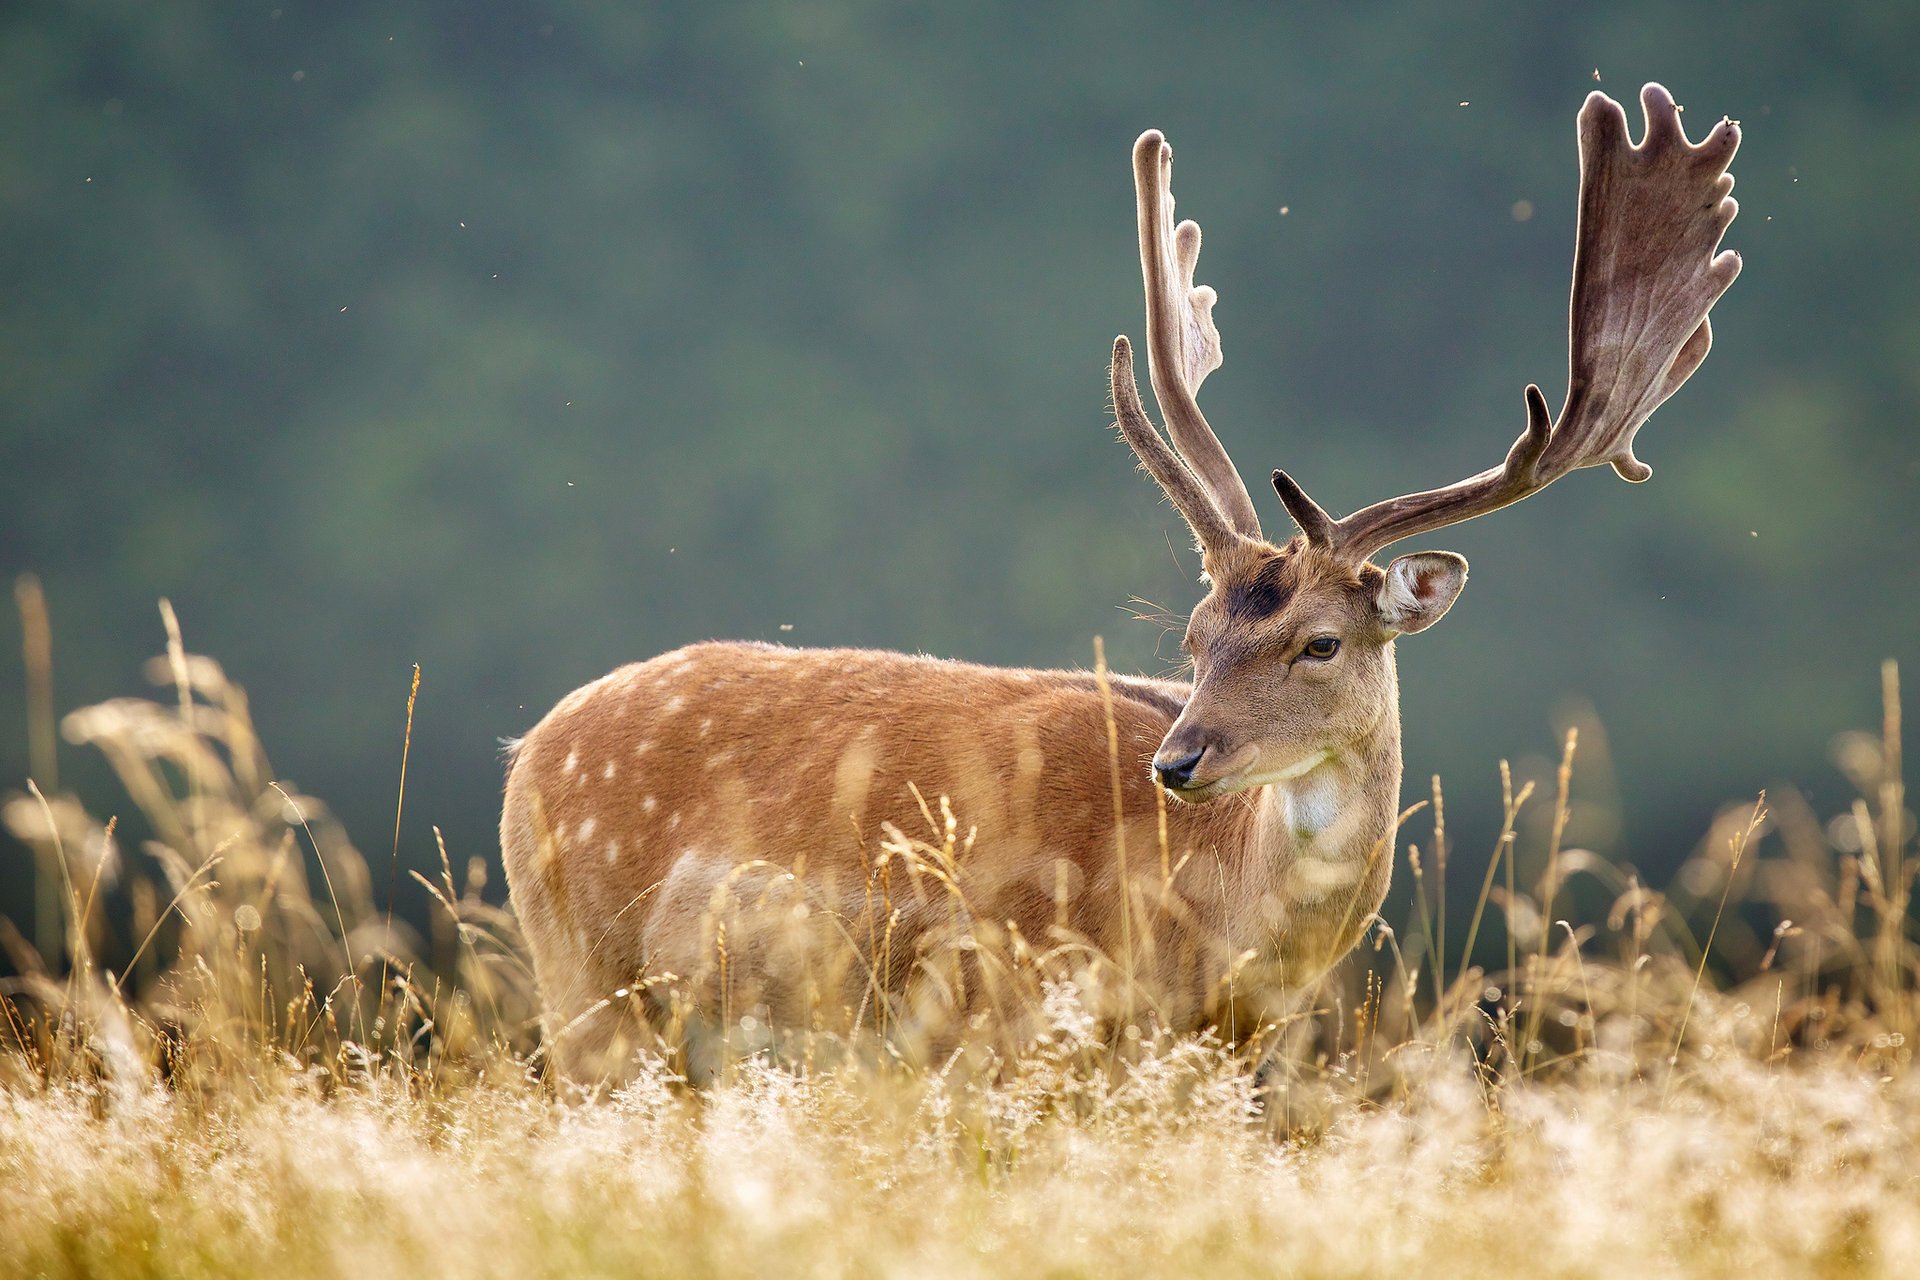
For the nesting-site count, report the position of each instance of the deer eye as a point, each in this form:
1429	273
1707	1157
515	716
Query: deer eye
1320	648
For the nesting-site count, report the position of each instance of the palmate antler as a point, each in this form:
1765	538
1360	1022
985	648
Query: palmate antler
1645	274
1183	347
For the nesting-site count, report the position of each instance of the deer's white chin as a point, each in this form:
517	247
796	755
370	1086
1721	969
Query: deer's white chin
1247	779
1298	769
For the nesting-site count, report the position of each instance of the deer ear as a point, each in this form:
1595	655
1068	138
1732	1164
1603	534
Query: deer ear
1419	588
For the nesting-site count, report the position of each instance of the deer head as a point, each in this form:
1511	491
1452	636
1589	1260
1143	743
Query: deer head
1292	645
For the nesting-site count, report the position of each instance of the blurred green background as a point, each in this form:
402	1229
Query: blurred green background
520	341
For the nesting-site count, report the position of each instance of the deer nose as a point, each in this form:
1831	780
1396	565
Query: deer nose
1176	772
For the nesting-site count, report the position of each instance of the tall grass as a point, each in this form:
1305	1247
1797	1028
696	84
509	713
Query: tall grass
222	1054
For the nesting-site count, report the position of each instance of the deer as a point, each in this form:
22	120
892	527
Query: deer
1225	839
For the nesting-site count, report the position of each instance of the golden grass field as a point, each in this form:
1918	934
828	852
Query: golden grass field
279	1081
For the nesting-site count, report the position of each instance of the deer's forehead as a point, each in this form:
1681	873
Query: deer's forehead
1284	591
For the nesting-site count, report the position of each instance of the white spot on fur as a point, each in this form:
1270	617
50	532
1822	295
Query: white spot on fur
641	747
1311	878
674	820
853	773
647	804
674	704
613	851
1312	807
573	762
586	830
706	727
579	697
607	772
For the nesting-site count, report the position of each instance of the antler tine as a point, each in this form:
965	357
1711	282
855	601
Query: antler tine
1645	274
1183	346
1179	483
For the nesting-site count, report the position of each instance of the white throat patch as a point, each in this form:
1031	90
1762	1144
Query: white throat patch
1312	805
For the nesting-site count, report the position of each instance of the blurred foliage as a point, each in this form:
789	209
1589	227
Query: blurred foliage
521	341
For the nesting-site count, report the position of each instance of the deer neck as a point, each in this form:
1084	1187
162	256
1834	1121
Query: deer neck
1319	856
1336	814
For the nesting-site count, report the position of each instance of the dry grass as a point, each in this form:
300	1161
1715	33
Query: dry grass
221	1058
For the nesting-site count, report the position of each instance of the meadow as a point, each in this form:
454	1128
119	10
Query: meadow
222	1055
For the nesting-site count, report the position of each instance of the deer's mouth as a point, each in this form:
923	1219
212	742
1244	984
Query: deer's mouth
1224	782
1246	777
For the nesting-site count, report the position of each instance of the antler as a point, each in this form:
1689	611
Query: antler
1183	346
1645	274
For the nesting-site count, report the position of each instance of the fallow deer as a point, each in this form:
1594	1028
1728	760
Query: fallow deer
647	801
